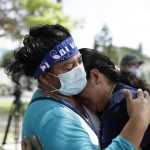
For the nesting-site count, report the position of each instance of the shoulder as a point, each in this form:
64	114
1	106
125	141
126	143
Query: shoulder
47	110
44	110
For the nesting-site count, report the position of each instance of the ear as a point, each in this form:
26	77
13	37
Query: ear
43	79
95	75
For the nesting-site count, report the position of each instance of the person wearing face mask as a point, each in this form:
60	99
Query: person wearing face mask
50	56
131	63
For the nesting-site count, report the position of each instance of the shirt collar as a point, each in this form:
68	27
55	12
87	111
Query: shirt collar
118	95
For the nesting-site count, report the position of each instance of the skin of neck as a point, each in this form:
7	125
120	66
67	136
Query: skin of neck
109	91
106	91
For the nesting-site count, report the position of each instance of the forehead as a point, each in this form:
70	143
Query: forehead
73	59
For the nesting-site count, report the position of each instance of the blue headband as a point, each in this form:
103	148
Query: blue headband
61	52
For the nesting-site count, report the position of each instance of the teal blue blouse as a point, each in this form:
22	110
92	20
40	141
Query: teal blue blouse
60	128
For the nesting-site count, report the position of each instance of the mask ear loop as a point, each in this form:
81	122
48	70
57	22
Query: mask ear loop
52	74
46	91
55	89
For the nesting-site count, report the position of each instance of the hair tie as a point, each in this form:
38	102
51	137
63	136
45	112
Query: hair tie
27	39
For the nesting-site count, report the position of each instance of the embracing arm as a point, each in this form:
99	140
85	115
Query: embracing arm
130	137
139	113
133	132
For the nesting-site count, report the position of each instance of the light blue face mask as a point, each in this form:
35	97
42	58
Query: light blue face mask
136	71
72	82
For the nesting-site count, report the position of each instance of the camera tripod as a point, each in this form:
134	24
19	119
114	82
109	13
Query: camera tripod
16	112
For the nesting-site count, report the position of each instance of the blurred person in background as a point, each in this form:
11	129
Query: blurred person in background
131	63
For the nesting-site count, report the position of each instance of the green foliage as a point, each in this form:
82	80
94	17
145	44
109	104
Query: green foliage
45	12
117	53
103	43
126	50
103	39
6	58
112	54
17	15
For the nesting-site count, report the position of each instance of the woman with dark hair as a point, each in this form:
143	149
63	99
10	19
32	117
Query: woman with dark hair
106	83
50	55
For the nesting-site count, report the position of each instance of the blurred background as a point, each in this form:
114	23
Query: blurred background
113	27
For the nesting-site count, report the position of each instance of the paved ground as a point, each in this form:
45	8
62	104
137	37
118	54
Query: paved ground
12	146
10	141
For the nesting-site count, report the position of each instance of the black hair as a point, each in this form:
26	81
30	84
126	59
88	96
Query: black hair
40	40
94	59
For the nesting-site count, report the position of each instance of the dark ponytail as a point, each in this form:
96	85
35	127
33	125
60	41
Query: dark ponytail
94	59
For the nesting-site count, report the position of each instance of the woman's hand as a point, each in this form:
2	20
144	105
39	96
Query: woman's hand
26	144
139	113
139	108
